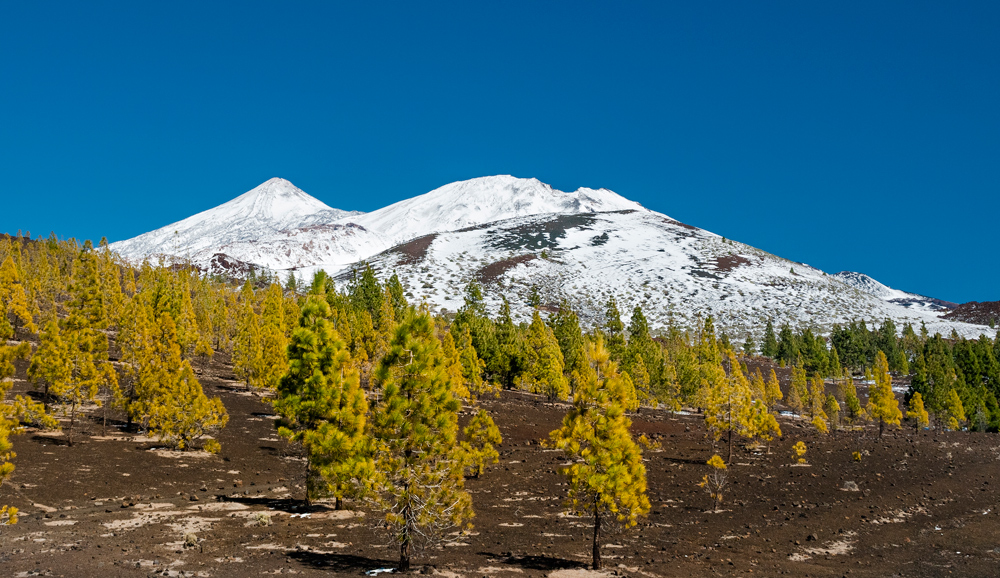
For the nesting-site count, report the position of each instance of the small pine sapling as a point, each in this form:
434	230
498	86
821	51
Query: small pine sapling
799	449
715	481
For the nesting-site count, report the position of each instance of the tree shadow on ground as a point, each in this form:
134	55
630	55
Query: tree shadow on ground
287	505
543	563
340	563
54	441
697	462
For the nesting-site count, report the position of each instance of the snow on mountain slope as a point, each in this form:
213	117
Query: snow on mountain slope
275	225
278	226
675	271
483	200
865	283
511	233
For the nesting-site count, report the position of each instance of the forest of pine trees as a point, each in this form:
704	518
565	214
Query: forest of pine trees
371	387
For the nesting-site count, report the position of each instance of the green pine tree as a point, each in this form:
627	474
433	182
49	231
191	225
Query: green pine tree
415	426
322	406
607	478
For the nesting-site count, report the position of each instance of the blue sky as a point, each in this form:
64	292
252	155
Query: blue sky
848	135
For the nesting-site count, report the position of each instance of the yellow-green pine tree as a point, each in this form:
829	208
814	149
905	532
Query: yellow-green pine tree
322	406
8	420
179	412
135	343
882	404
917	412
453	363
607	478
473	366
50	367
14	303
544	373
832	409
772	391
763	424
954	411
87	346
418	460
798	390
817	399
274	356
248	359
481	438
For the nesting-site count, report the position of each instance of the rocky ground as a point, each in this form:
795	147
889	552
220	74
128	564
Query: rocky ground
917	504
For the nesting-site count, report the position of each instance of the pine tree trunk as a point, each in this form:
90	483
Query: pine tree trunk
730	444
597	534
881	428
339	504
308	477
404	556
72	421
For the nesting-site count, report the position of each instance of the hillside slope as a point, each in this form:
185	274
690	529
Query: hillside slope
673	270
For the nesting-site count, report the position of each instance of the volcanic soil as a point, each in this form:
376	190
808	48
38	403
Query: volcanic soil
117	504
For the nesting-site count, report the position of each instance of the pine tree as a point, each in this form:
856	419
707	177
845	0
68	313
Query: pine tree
10	417
715	481
481	438
566	327
917	413
640	379
762	424
135	342
772	391
770	346
453	363
415	424
274	357
607	477
850	394
882	403
397	297
14	304
322	406
953	411
473	367
248	359
728	404
798	389
544	370
758	387
817	399
86	345
614	330
749	346
170	399
50	366
832	409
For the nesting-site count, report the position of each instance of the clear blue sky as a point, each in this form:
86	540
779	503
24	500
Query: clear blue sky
848	135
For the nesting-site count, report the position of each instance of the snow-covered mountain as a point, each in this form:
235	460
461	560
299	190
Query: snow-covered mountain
483	200
276	225
512	233
868	285
673	270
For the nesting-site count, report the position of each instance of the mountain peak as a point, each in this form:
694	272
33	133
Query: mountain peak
484	200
